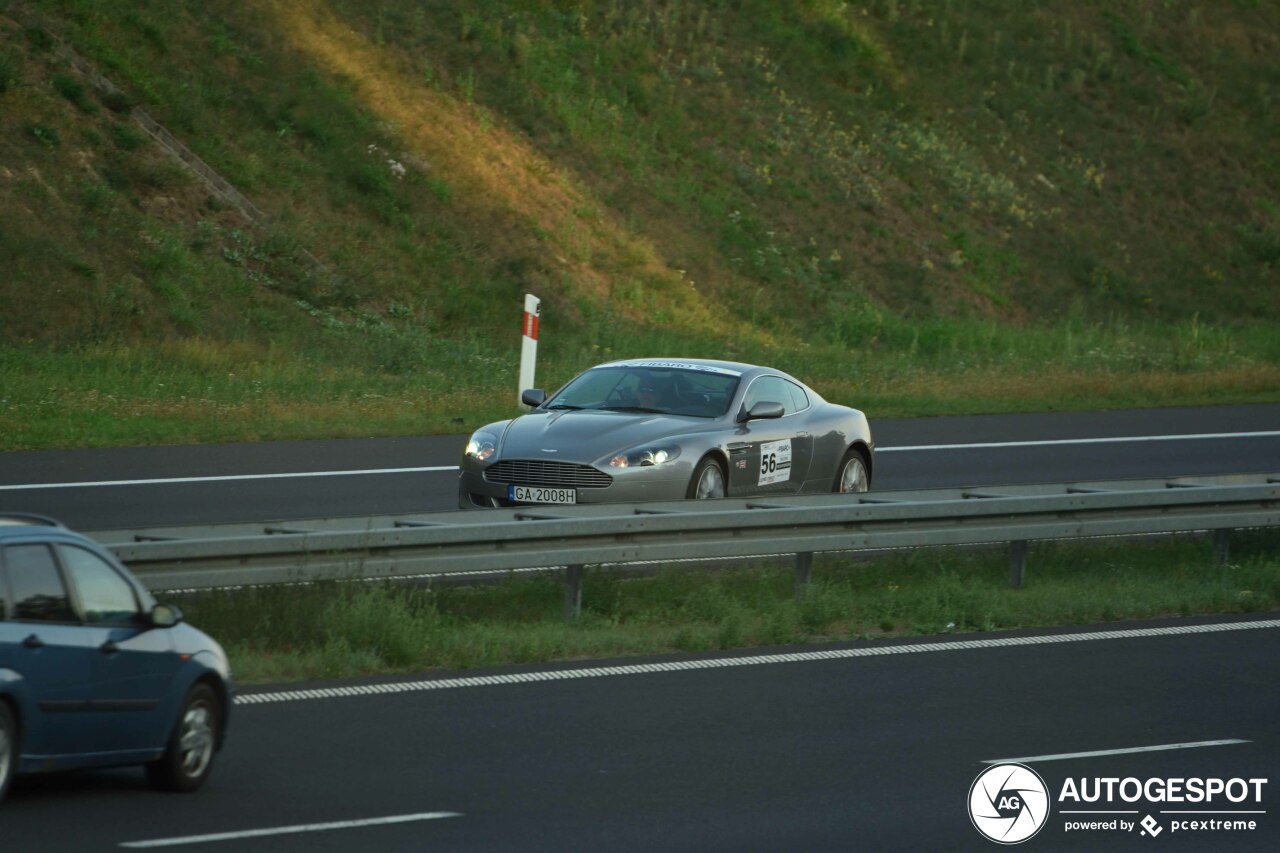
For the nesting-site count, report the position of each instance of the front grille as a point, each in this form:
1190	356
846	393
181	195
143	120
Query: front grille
539	472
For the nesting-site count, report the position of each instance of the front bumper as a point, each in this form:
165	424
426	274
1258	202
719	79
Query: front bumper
630	485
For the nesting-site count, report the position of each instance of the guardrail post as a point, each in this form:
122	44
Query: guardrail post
1221	546
1017	563
804	562
572	593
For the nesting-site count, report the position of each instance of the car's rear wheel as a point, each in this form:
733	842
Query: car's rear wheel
188	758
8	748
708	480
852	476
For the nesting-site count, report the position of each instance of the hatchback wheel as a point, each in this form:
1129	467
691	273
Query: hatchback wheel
8	748
188	759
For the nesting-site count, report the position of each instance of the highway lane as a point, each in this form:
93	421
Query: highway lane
313	479
868	753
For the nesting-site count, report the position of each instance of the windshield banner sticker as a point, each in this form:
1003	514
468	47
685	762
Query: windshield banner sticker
676	365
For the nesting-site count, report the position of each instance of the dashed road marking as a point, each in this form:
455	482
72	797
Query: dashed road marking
286	830
1124	751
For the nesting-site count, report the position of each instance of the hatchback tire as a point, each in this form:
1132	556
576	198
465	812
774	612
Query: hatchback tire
188	758
8	748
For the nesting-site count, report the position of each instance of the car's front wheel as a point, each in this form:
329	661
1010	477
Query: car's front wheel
708	480
8	748
188	758
852	476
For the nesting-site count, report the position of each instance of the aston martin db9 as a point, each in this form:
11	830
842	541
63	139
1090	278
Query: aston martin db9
666	429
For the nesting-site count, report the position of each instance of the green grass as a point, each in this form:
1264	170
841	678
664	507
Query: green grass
364	375
919	208
355	628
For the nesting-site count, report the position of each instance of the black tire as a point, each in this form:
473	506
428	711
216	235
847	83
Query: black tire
853	475
710	470
8	748
193	743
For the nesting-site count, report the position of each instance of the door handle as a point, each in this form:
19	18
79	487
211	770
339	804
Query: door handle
108	648
33	642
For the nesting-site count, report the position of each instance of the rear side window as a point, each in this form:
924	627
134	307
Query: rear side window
38	592
799	399
105	597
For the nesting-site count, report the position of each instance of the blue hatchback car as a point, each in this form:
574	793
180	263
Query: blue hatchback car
94	673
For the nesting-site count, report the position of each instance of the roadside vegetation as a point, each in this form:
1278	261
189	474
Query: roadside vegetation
342	629
918	207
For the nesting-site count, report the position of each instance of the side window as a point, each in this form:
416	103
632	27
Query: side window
769	389
799	399
38	592
104	595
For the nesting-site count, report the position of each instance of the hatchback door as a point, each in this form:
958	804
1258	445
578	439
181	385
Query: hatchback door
135	665
53	655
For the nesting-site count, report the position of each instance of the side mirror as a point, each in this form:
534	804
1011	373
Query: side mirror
765	411
165	616
533	396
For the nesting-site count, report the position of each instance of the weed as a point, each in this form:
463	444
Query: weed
74	91
45	135
126	136
10	70
347	628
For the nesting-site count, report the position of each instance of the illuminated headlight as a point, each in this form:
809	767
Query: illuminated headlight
645	456
481	446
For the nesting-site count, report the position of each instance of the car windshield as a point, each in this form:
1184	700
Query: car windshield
653	387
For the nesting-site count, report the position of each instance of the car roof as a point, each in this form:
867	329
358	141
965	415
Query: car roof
26	520
23	525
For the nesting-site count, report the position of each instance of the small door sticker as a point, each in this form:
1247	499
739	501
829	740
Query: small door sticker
775	462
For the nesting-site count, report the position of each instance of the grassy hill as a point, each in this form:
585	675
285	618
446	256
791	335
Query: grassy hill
919	207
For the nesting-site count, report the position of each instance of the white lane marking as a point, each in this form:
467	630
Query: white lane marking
920	447
168	480
287	830
1119	439
724	663
1126	751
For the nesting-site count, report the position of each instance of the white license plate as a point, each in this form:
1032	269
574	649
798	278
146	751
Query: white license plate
538	495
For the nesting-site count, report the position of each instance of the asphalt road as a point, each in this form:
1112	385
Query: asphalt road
854	752
158	486
873	752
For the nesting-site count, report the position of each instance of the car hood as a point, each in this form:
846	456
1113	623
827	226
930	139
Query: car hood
585	436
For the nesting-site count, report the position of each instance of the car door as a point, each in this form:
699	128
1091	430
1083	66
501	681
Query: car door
52	654
135	665
770	456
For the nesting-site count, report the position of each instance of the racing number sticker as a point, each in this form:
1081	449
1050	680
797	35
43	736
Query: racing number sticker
775	462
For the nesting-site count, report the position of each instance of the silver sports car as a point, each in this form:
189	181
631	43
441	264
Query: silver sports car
665	429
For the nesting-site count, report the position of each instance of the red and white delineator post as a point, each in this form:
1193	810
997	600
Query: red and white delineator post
529	344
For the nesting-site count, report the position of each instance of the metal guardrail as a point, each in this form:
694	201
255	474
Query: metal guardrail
573	537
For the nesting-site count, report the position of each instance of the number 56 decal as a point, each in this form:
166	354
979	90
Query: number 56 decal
775	462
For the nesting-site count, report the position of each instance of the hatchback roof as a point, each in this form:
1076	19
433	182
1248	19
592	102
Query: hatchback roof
27	519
